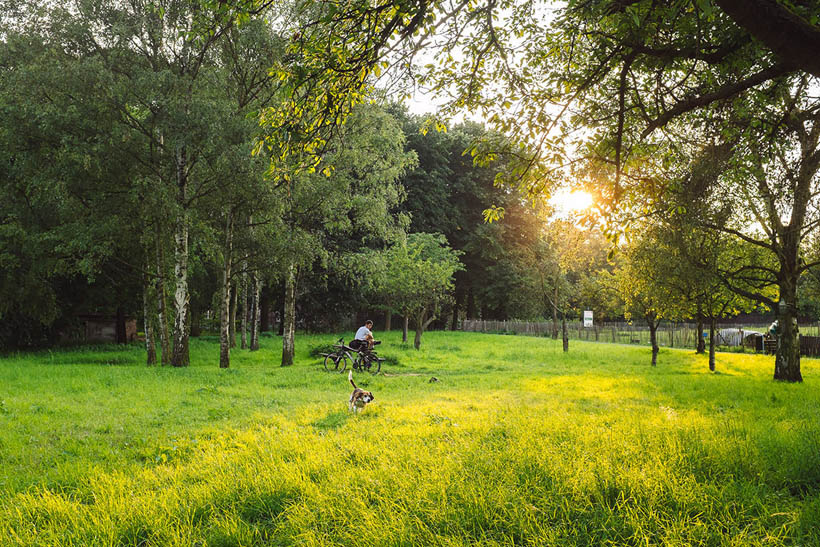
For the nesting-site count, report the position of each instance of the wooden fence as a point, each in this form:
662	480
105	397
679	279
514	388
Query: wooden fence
678	335
672	335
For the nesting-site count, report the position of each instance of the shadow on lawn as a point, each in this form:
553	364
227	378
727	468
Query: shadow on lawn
334	420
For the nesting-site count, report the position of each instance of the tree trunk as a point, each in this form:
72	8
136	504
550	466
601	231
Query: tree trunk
256	285
150	345
653	337
281	326
234	304
225	302
404	329
288	339
245	307
459	297
180	356
471	312
162	308
564	331
555	313
264	306
787	358
701	344
388	320
712	325
422	322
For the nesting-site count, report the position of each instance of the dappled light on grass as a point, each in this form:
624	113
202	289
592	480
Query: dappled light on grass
543	448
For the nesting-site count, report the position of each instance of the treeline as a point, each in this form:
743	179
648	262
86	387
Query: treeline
130	184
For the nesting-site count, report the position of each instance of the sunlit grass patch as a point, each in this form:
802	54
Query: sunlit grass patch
516	443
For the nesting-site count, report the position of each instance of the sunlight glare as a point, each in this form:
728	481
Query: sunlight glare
570	202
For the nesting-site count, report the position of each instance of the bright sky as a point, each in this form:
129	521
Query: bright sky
568	201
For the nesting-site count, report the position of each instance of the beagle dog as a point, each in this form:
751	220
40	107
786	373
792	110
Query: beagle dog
359	398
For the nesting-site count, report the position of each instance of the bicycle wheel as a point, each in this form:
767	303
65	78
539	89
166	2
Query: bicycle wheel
331	362
375	365
342	362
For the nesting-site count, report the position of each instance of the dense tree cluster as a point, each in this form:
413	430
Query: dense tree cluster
192	159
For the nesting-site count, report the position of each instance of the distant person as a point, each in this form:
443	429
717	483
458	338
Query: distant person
364	336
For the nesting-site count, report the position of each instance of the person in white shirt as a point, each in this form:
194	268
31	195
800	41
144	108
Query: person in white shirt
363	336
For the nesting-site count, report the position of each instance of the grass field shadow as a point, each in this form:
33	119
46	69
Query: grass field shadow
333	420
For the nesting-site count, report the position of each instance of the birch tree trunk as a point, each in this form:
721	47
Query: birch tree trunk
225	303
162	306
234	303
245	310
289	335
150	345
180	356
254	317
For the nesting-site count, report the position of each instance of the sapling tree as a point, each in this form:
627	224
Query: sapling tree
414	276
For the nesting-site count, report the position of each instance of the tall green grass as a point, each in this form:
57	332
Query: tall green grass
516	443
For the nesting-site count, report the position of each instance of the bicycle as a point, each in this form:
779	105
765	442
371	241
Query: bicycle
368	360
339	357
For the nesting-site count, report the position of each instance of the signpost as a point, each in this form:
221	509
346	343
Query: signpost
587	318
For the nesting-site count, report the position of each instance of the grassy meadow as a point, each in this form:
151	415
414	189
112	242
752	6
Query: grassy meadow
516	443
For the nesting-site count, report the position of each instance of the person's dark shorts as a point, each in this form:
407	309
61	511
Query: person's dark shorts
358	344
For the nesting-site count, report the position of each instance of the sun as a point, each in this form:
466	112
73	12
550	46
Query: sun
571	202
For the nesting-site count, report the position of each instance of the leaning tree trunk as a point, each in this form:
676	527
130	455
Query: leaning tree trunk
180	356
254	318
225	301
564	332
653	337
405	328
787	358
712	327
289	336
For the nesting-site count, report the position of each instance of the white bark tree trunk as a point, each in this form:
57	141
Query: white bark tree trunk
256	286
162	307
180	356
243	337
289	336
150	345
225	304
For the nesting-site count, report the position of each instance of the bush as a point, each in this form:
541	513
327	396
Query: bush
317	351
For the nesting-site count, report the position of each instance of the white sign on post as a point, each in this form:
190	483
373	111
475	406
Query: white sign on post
587	318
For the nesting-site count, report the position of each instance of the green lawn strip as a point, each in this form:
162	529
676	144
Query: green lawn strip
542	448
